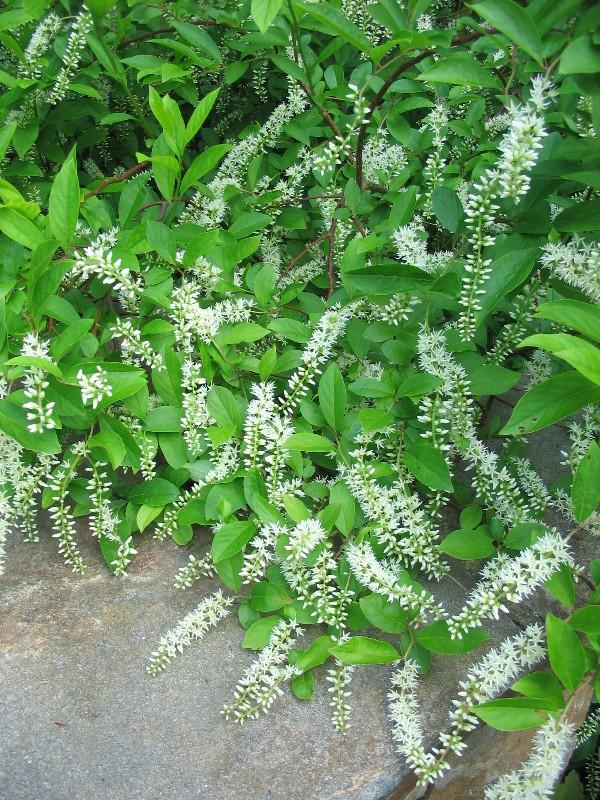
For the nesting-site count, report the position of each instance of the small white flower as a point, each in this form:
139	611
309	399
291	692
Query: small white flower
95	387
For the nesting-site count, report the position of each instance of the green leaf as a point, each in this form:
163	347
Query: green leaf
203	163
468	544
124	383
156	492
228	571
291	329
429	466
303	686
259	633
510	714
332	396
437	639
341	496
112	443
146	515
332	21
231	539
489	379
223	408
309	442
581	317
447	207
417	384
317	653
586	620
20	229
542	686
164	419
363	650
162	239
384	614
241	332
63	205
199	115
585	491
580	217
579	353
510	270
199	38
565	651
460	69
387	279
39	362
470	517
562	586
264	285
514	22
70	337
374	419
268	597
263	12
167	112
550	401
13	421
182	535
524	535
580	56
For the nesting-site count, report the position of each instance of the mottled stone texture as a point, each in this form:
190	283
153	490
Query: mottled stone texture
81	720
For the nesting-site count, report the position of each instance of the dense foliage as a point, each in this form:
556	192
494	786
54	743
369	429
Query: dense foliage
265	267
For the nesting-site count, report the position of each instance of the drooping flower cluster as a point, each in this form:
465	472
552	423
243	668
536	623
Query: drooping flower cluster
384	580
493	482
536	778
193	322
582	433
35	382
382	160
97	261
207	614
318	589
61	513
71	57
259	416
210	212
577	263
195	569
522	310
41	39
509	179
339	677
485	680
505	579
262	682
135	350
400	524
303	538
410	241
196	416
262	552
327	331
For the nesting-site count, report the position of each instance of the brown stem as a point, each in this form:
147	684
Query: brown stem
302	253
116	179
379	96
330	256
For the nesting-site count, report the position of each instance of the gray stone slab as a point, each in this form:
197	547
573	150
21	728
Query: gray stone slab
81	720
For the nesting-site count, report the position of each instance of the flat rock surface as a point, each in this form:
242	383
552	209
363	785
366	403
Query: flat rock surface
81	720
